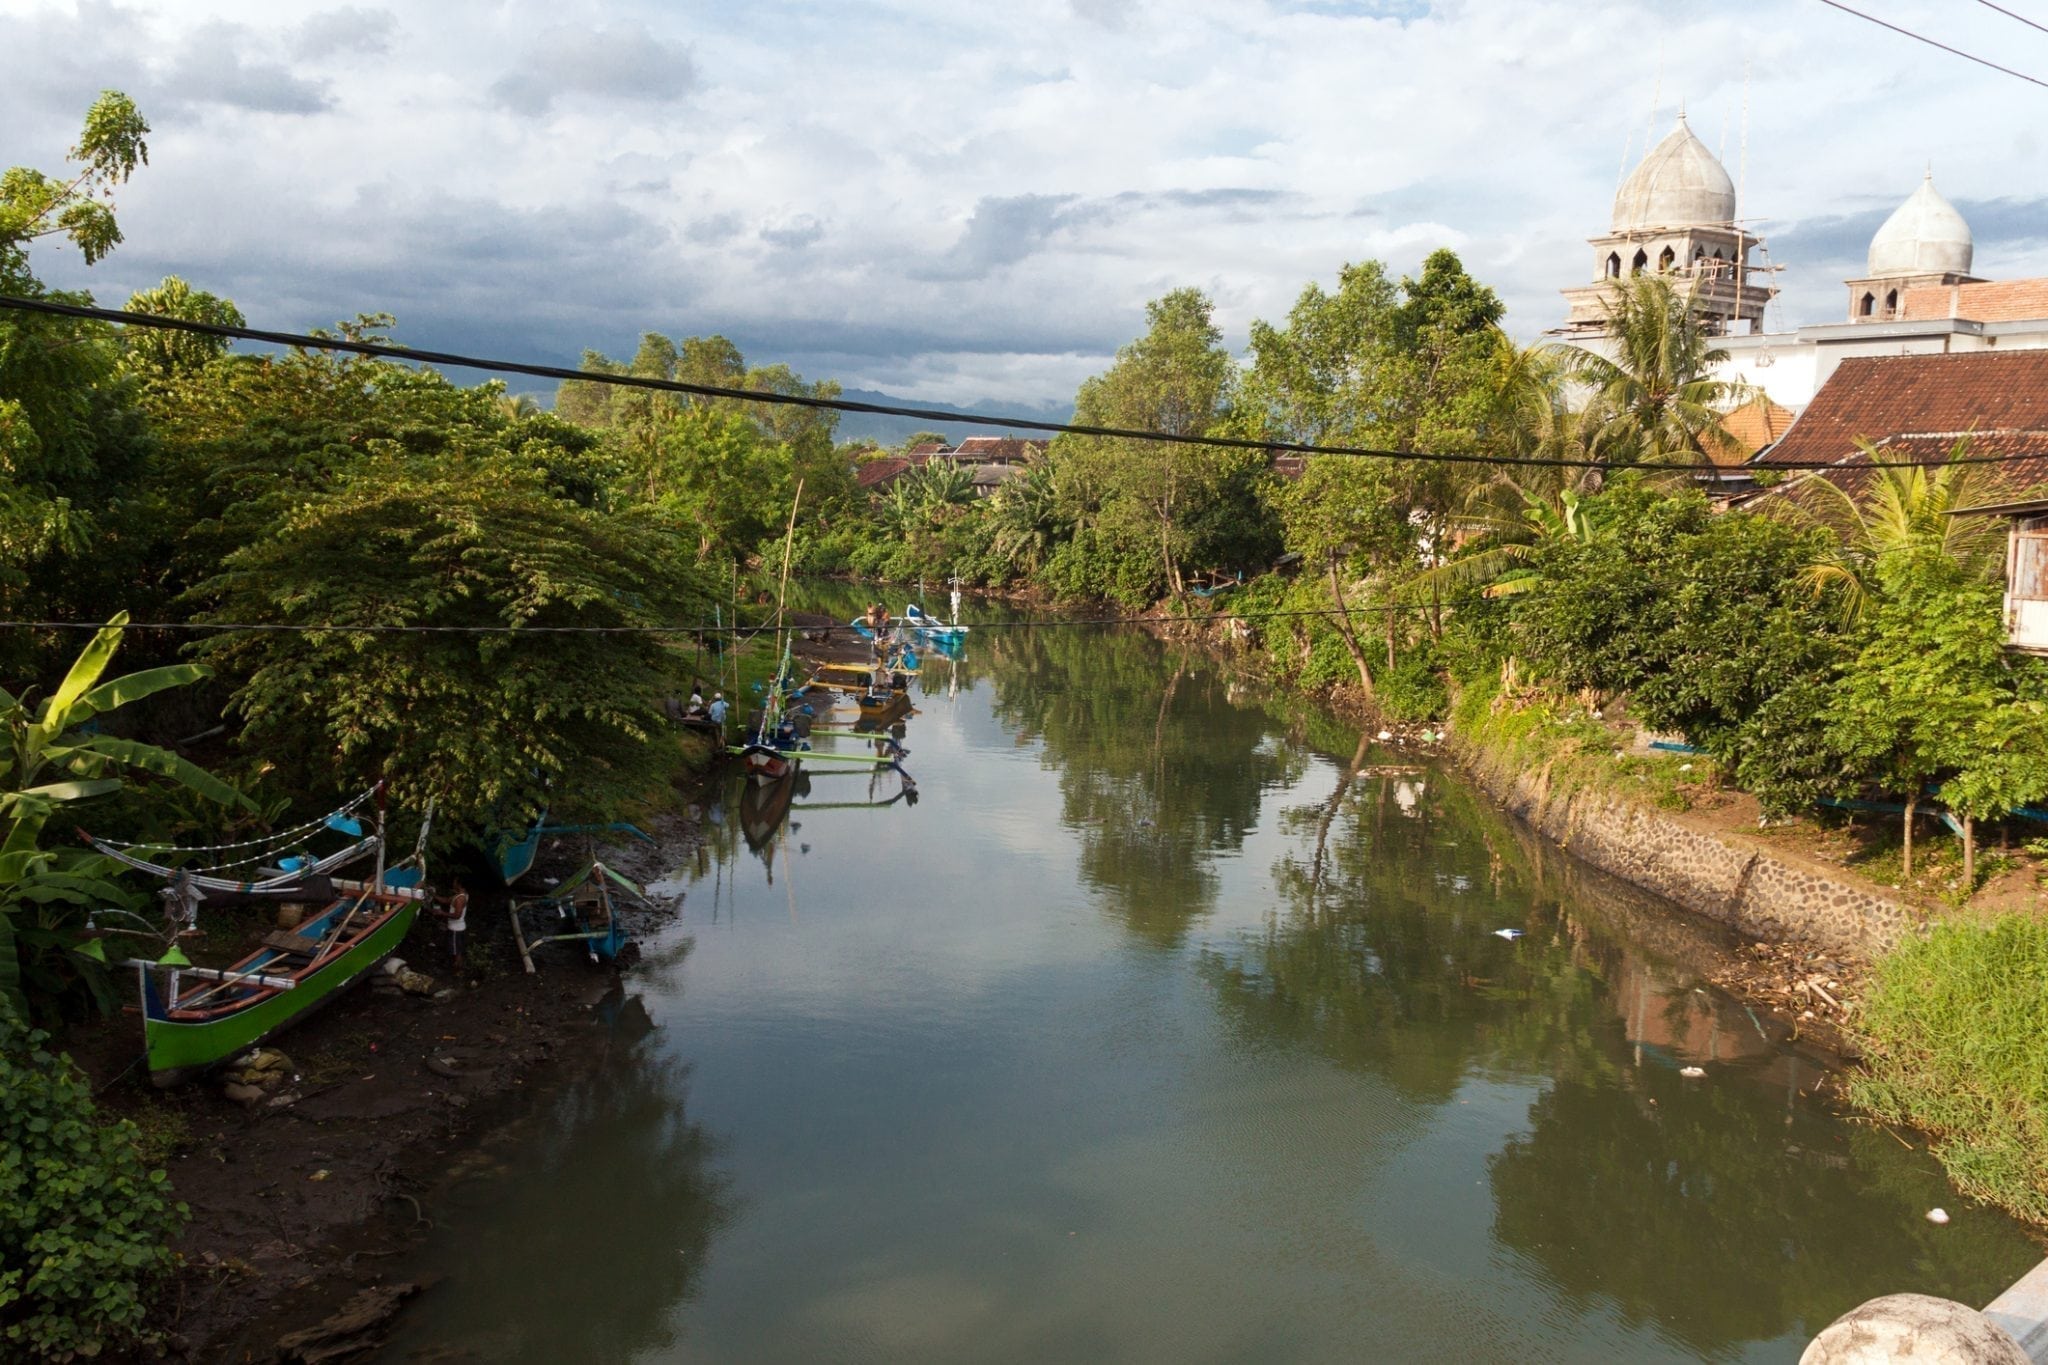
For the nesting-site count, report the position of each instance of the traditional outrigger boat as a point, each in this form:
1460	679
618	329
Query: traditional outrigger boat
196	1017
584	901
514	852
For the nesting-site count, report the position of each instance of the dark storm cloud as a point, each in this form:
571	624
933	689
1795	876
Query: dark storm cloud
211	68
622	63
344	31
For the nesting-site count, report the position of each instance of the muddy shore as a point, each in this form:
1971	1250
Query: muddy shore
300	1200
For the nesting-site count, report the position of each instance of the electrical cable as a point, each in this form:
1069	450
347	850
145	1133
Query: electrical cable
1034	623
1265	447
1987	4
1933	42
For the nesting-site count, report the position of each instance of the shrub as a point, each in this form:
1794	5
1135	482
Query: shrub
85	1227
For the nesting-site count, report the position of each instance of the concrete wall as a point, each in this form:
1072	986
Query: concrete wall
1755	890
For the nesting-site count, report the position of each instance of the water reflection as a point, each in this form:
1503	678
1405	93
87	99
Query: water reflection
604	1215
1183	1026
1159	775
1720	1211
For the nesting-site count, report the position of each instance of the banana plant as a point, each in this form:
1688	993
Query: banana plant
49	759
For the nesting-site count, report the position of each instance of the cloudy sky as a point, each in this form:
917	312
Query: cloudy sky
972	202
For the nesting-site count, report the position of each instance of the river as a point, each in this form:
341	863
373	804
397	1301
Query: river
1173	1023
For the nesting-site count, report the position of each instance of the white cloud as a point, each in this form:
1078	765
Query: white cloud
626	63
975	203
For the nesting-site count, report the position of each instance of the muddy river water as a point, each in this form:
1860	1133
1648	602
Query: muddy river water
1172	1024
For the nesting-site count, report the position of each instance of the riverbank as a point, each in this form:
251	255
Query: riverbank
299	1199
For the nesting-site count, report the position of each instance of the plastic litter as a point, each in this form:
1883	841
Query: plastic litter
1509	934
1937	1215
1692	1073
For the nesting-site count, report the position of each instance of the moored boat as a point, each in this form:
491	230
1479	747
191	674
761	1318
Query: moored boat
194	1017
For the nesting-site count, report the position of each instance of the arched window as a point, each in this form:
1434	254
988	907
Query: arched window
1665	259
1868	306
1699	253
1891	304
1642	263
1613	265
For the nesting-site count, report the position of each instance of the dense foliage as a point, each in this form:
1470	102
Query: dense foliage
85	1226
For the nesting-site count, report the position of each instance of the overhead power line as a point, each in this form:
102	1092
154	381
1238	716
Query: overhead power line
306	341
2011	15
1030	623
1933	42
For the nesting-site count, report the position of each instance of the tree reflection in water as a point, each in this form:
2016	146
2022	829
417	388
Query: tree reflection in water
1723	1211
1157	781
615	1150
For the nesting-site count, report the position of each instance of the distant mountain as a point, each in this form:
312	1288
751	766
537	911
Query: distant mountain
889	431
893	430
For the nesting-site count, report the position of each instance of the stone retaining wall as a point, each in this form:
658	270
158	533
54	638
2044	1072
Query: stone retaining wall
1752	889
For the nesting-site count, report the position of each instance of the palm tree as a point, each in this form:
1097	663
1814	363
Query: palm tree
1903	507
1656	398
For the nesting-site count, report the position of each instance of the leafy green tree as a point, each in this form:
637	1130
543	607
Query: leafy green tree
1933	695
490	727
156	352
1176	378
68	439
34	205
1343	518
1702	620
718	475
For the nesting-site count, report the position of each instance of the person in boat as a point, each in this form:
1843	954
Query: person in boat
717	709
695	709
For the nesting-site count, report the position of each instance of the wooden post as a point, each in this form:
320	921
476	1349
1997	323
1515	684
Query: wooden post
519	938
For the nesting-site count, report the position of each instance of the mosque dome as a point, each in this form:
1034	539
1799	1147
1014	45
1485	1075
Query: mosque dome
1679	184
1924	236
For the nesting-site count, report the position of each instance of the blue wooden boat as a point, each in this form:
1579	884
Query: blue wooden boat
514	852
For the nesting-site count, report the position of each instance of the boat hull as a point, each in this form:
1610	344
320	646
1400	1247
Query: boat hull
765	764
178	1049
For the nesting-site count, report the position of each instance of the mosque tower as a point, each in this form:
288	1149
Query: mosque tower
1675	215
1924	242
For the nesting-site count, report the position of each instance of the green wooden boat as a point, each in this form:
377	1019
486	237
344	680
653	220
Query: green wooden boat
199	1019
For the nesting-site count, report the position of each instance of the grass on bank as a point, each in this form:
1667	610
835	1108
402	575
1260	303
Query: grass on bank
1956	1034
1573	750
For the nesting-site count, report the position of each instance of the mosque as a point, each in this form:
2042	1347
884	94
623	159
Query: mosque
1676	214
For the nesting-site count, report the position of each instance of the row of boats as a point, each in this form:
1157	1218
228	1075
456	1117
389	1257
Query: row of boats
341	927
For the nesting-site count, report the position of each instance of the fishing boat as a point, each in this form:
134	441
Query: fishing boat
584	902
195	1017
946	635
515	850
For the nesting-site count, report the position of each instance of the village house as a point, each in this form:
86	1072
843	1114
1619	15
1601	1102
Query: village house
992	461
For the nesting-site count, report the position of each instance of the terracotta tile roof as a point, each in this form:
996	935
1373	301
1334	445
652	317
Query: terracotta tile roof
920	454
1992	301
1917	408
1754	426
879	473
997	450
